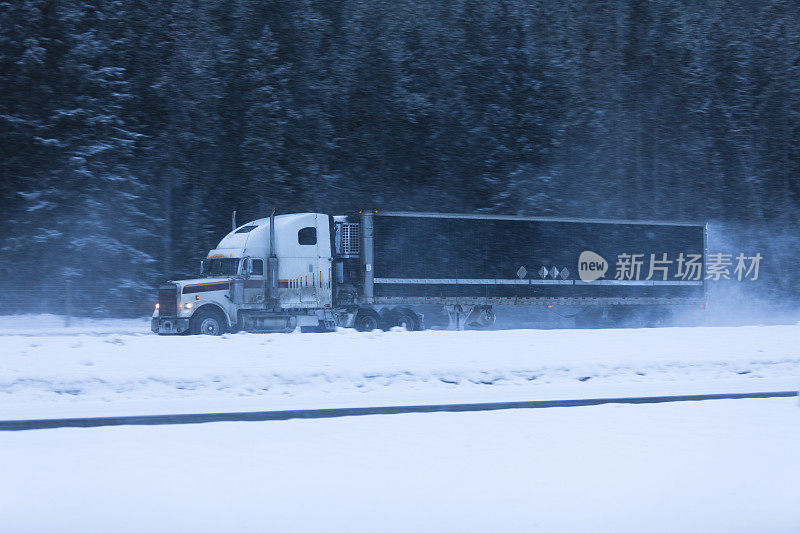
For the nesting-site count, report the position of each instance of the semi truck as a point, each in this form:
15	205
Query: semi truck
375	269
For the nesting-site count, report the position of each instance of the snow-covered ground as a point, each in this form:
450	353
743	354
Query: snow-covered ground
723	466
37	325
713	466
103	372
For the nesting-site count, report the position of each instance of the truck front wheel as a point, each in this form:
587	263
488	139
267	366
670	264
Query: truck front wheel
208	322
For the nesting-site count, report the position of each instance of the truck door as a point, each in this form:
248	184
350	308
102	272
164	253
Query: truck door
255	288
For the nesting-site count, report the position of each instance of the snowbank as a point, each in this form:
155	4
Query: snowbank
79	375
57	325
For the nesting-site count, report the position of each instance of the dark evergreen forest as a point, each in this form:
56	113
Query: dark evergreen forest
129	130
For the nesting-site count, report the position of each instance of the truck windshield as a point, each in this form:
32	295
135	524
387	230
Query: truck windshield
220	267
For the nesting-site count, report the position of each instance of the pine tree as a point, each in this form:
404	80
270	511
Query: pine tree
82	222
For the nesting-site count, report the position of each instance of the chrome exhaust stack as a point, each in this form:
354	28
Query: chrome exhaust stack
272	262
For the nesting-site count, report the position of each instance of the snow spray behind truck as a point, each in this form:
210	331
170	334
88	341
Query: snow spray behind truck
379	269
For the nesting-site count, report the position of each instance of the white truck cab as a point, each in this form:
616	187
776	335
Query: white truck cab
271	274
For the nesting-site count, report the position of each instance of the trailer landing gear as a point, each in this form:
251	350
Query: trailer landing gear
460	316
483	317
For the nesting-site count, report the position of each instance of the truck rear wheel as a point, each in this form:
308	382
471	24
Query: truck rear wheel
208	322
367	320
403	318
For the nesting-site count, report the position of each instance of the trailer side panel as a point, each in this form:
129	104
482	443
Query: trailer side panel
424	257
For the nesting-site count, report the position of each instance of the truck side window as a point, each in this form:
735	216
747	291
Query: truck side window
257	267
307	236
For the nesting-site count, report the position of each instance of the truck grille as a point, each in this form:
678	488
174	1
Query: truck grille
168	300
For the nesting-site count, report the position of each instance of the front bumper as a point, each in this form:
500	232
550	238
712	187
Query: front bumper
169	325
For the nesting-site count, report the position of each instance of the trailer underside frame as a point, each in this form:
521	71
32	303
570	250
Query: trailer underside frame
532	301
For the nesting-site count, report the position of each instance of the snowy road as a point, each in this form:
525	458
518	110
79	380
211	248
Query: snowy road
727	466
46	375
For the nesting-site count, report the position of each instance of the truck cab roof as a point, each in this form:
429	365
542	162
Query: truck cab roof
252	239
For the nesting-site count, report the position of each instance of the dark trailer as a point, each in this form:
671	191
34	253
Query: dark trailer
484	260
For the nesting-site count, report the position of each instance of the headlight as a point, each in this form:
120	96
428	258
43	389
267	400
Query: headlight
157	305
189	305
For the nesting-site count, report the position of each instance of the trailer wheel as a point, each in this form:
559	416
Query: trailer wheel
403	318
208	322
367	319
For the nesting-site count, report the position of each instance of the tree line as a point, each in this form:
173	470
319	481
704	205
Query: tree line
129	130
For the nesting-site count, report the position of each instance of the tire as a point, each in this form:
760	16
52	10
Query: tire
403	318
208	322
367	320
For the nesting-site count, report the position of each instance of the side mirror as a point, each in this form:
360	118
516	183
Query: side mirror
202	267
247	267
